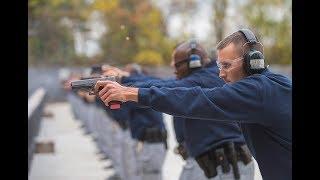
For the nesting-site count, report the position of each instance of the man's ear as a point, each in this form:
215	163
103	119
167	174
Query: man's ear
185	69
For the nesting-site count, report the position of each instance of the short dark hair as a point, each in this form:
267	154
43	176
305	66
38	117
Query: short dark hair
238	39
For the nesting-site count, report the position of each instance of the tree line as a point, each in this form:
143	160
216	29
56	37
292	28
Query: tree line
137	30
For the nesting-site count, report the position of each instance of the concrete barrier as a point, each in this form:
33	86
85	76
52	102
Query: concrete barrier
35	108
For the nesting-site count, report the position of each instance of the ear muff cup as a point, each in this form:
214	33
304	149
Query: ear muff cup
195	61
254	62
253	59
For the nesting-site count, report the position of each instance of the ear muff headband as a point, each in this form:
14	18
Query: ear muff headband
195	60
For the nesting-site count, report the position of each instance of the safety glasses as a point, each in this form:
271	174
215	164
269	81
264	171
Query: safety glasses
227	64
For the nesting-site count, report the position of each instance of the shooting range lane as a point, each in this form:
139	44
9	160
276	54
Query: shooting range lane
74	156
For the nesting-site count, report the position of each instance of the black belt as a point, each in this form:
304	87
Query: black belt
227	154
154	135
123	124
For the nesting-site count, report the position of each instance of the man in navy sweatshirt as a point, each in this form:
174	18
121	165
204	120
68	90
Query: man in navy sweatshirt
206	141
259	100
148	135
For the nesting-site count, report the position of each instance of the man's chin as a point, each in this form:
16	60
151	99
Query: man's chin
179	76
225	80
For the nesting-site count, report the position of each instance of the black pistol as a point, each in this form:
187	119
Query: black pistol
87	84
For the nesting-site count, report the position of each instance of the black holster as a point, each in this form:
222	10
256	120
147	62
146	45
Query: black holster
155	135
207	164
222	159
244	154
224	155
233	159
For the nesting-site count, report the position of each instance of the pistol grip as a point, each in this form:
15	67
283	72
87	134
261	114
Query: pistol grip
114	104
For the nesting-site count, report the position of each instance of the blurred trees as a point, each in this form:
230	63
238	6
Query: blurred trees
272	20
218	18
136	31
51	26
185	10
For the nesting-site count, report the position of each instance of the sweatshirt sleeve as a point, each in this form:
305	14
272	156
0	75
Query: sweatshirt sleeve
240	101
166	83
137	78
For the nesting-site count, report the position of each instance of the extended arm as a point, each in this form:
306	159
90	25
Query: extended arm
241	101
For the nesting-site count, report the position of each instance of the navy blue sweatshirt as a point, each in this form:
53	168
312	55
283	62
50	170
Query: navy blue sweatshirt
142	118
137	77
201	136
144	80
120	116
179	128
261	103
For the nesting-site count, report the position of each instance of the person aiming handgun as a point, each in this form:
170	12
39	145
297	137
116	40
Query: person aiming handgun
212	146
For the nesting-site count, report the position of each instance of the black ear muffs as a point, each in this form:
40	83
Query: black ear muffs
195	60
253	60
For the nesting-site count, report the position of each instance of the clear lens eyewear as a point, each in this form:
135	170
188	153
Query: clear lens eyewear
227	63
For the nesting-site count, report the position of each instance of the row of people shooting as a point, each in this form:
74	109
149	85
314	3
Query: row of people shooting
133	138
244	107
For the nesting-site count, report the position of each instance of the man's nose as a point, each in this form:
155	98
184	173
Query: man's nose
222	74
172	64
